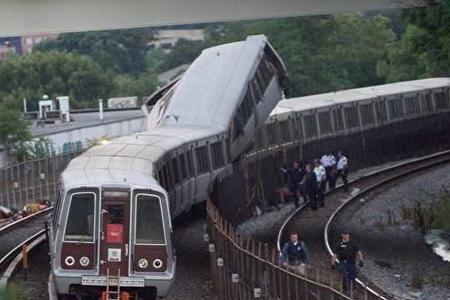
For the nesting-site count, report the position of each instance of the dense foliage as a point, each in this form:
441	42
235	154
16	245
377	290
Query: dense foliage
119	51
53	73
13	132
424	49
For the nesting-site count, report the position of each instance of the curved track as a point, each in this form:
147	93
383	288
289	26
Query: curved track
315	226
21	232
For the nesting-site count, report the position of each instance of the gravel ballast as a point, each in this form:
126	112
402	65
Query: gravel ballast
395	251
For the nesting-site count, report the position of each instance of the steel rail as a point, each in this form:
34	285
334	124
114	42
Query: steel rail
25	219
33	241
21	241
364	192
445	157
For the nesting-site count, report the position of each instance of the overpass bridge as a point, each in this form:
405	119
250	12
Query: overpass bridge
19	17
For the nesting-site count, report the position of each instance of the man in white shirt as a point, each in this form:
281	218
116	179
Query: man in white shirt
342	169
321	182
328	161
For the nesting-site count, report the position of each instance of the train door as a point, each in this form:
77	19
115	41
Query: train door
114	234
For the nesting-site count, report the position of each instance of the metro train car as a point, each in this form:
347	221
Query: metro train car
336	120
111	231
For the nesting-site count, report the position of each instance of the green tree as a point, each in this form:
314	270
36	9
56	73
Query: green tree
424	49
119	51
184	51
14	133
140	86
52	73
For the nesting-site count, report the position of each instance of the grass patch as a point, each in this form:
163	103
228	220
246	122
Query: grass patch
13	291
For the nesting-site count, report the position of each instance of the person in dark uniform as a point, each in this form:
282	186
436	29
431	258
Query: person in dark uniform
310	186
348	254
295	177
294	252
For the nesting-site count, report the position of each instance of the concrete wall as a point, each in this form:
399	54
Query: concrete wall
114	129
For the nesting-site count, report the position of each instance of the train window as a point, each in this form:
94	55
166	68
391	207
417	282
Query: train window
161	179
396	108
80	219
190	163
175	169
167	178
261	82
247	107
237	126
412	105
228	150
325	122
217	155
367	117
427	102
441	100
256	90
310	125
57	210
338	120
351	117
183	169
149	222
272	134
202	159
243	114
380	109
265	72
285	132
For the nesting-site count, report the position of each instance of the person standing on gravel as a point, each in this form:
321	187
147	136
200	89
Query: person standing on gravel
342	169
321	182
310	186
347	253
295	177
328	161
294	252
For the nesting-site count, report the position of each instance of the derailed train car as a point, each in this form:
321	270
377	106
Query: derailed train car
111	231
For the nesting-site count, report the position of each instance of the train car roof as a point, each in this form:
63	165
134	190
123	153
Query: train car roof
129	159
212	87
359	94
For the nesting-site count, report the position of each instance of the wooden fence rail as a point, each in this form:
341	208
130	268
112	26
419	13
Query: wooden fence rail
244	268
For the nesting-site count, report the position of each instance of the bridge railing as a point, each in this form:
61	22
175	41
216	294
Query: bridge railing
244	268
32	180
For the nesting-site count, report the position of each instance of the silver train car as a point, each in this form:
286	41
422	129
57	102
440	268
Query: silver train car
111	231
320	118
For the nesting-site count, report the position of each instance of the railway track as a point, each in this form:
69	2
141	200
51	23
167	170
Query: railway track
20	232
316	226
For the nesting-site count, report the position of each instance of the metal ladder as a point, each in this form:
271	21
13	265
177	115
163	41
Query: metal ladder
114	293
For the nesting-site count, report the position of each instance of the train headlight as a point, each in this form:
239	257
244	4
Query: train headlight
143	263
84	261
157	264
70	261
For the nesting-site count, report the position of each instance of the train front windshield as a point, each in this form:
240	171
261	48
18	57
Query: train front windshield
80	221
149	220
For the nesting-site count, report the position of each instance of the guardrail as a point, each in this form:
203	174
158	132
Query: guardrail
244	268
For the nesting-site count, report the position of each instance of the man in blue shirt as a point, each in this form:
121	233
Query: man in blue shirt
294	252
295	176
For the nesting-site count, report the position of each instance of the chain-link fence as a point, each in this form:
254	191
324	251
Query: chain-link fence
33	180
